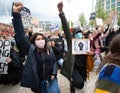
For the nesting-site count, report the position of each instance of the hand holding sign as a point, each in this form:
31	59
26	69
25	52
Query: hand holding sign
8	60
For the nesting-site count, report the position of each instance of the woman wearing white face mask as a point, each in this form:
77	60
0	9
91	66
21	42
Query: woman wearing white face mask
40	69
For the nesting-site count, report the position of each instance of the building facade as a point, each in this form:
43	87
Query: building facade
45	25
109	5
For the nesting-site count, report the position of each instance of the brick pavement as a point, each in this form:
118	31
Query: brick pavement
63	84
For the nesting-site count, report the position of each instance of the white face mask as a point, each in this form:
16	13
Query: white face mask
40	43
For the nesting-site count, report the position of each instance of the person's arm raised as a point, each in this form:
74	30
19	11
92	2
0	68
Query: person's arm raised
17	7
20	36
64	22
60	7
68	63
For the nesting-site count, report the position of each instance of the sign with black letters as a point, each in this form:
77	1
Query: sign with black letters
4	53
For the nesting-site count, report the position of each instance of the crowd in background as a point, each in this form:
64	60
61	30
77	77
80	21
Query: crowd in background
25	43
6	30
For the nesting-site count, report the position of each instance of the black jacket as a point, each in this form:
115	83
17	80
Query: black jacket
78	62
67	67
15	69
30	76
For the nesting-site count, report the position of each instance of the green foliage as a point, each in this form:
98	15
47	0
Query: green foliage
70	23
91	22
118	21
101	13
82	19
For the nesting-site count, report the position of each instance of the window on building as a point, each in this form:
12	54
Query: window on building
112	1
108	2
118	3
118	9
108	8
97	0
113	6
102	4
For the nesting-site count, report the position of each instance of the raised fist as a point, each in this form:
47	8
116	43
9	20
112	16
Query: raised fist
17	7
60	7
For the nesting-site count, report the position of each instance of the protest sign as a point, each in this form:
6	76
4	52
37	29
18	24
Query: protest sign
80	46
115	20
4	53
114	17
26	17
54	27
99	21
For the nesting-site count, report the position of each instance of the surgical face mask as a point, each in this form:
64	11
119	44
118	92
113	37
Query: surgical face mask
40	43
78	35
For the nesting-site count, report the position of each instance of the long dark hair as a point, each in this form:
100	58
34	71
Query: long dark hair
114	55
33	37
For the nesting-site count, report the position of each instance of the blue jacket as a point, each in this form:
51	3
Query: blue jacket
109	79
30	77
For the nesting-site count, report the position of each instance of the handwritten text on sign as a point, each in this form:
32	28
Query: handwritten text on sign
4	53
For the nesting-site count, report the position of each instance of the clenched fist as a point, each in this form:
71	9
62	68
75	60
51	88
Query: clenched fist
60	7
17	7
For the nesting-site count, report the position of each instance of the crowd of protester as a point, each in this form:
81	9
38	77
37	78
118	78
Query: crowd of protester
6	30
35	58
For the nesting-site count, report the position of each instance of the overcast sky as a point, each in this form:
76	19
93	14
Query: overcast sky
47	9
